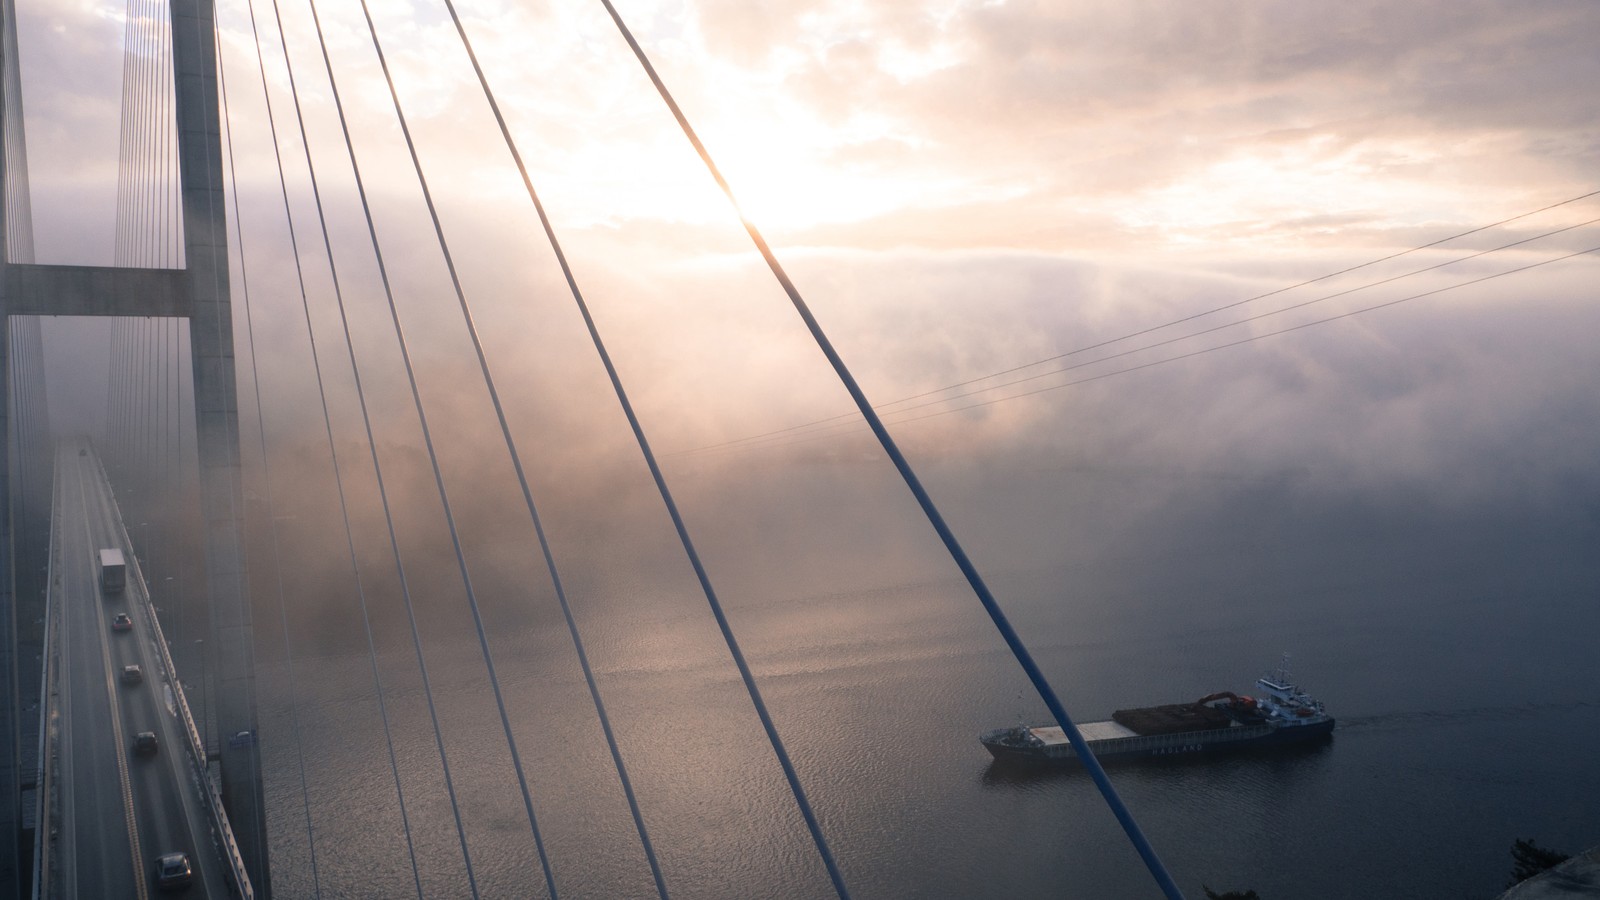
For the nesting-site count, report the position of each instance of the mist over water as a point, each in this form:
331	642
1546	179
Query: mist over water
1452	645
1410	508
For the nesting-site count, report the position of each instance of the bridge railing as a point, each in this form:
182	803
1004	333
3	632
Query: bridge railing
43	819
198	758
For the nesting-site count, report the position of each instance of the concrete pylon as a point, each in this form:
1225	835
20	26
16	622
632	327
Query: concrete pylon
11	777
194	61
200	293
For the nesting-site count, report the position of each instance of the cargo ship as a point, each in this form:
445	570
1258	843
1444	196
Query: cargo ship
1280	713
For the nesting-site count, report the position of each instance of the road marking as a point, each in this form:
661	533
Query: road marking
116	730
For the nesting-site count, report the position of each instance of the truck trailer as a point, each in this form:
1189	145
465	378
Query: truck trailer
113	571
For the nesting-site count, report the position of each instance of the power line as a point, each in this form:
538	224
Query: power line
1276	291
1257	337
840	424
266	469
544	544
344	508
427	433
885	407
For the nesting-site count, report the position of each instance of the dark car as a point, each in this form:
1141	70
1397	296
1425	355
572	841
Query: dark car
121	622
132	675
173	872
145	743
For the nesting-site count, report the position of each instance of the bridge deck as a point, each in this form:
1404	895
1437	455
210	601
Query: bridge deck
115	810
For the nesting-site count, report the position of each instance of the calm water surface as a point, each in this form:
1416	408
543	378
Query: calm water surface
1463	675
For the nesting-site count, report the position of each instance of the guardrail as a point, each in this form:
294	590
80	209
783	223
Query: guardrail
239	879
43	788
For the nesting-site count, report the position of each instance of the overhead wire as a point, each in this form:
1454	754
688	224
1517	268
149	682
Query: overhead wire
432	453
26	371
161	549
124	149
1086	757
141	124
1299	327
322	397
19	215
168	120
791	775
141	354
139	223
266	469
405	588
170	476
887	407
798	434
158	103
151	232
558	586
113	355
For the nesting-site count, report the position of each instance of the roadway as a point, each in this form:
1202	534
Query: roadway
118	810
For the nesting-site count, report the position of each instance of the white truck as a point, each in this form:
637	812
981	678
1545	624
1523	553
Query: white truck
113	571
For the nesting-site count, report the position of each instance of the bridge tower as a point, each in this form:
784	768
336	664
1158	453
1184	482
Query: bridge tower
199	292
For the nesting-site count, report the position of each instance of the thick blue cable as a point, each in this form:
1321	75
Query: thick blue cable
1035	675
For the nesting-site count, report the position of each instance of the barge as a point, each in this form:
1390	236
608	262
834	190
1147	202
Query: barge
1280	713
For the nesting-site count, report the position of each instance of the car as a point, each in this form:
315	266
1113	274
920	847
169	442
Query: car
121	623
145	743
132	675
173	871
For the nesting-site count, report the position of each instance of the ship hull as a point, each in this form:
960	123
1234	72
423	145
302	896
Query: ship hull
1004	745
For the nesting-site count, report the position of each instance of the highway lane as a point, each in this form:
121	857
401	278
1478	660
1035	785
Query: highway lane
124	809
95	850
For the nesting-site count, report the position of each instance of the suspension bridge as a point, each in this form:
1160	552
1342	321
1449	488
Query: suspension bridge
90	666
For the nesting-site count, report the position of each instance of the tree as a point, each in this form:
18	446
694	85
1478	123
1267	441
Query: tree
1529	859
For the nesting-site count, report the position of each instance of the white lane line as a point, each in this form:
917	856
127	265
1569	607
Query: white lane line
116	731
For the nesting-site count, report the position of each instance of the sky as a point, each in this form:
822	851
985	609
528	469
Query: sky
959	189
1156	296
